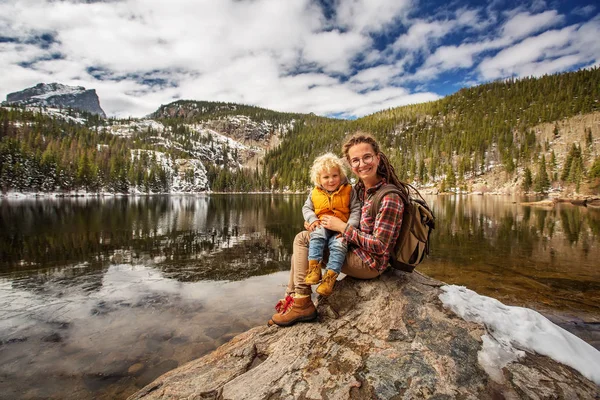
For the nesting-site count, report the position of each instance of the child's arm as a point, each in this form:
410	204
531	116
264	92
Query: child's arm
308	210
355	209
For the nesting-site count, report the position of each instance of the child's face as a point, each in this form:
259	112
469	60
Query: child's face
330	179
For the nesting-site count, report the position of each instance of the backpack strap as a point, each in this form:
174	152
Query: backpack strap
385	189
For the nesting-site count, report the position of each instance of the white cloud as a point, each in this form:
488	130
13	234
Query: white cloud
370	15
333	50
422	33
525	24
449	57
375	77
550	51
584	11
284	55
523	59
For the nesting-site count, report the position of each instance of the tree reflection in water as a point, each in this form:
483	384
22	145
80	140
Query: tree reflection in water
100	296
544	258
190	232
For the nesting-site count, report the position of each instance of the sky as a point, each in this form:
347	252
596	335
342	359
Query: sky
338	58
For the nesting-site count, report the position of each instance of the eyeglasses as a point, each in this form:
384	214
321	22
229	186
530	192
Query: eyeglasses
367	159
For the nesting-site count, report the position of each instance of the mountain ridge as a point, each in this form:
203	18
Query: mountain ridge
451	144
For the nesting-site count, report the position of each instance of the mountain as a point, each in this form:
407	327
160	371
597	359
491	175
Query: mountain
514	136
58	96
46	150
504	128
249	125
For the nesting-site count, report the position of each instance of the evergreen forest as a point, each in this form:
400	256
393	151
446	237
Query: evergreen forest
441	144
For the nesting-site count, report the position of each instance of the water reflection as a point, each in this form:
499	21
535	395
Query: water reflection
76	340
100	296
212	231
544	258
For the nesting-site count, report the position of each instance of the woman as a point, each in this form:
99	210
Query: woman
369	248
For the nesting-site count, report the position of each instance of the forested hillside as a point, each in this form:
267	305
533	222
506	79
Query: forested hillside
194	146
49	150
466	134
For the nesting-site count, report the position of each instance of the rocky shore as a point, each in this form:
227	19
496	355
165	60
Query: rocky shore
579	201
388	338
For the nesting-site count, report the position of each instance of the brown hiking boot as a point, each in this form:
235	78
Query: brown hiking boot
326	286
301	309
314	272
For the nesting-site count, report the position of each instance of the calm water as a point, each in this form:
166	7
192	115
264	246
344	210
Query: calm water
99	297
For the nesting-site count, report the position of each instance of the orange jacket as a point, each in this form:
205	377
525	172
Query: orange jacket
336	203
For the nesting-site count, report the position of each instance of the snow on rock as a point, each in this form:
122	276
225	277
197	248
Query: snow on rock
219	138
51	112
130	128
513	329
187	175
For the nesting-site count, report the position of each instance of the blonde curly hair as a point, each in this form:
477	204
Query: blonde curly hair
327	162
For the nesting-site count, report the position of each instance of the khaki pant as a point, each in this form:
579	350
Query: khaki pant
353	266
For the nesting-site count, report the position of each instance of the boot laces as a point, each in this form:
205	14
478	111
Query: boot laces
284	304
329	278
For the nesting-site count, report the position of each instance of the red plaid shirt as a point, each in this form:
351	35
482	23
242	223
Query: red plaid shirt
377	235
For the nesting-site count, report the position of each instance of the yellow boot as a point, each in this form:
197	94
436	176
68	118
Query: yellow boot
326	286
314	272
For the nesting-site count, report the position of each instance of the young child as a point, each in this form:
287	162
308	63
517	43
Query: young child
332	195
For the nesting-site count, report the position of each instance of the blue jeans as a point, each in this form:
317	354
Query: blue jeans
337	248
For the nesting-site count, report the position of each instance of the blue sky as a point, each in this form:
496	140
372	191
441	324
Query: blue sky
345	58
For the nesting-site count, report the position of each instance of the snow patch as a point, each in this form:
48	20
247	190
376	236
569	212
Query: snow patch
513	329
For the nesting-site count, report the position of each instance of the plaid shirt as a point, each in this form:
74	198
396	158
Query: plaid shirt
377	236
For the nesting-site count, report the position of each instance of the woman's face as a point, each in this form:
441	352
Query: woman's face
364	161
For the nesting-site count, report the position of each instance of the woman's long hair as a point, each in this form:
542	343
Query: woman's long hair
384	169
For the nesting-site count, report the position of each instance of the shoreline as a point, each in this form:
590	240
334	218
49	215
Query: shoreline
551	200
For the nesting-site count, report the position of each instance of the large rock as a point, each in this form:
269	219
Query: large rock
57	95
389	338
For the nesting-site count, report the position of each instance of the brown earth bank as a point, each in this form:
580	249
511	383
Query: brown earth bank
387	338
585	201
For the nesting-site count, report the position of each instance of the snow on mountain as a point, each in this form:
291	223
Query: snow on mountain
58	96
178	156
56	113
56	89
128	129
187	175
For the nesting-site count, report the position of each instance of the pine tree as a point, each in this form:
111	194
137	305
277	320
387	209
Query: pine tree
574	169
595	169
450	177
542	183
553	165
527	180
422	172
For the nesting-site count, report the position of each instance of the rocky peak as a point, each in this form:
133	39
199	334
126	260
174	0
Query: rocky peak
387	338
59	96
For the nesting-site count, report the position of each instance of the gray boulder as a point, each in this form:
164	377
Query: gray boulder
388	338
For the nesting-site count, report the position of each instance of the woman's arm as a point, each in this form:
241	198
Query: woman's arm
387	219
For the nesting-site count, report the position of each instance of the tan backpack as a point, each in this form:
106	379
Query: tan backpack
418	220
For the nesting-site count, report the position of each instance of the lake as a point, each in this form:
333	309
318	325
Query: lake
98	297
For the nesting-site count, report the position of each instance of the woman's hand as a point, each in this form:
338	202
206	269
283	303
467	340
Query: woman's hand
333	223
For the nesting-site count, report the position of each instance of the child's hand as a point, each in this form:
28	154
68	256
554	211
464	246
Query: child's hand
312	226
